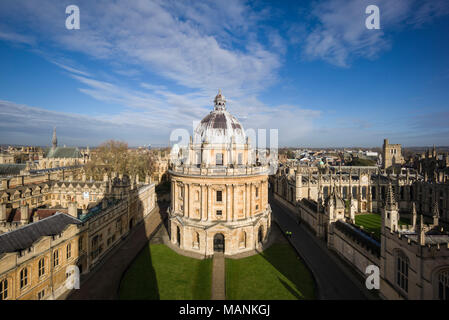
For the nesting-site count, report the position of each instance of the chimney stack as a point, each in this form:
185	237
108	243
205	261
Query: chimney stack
24	217
73	211
3	212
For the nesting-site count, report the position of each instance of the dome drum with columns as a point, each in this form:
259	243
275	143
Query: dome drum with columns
219	196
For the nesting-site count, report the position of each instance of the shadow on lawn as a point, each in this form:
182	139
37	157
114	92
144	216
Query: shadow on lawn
139	281
283	257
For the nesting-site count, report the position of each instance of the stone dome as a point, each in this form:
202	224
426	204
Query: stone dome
219	126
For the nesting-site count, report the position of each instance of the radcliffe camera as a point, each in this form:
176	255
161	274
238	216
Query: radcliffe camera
227	157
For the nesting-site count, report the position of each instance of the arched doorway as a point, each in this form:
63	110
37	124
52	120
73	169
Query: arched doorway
219	243
260	234
178	236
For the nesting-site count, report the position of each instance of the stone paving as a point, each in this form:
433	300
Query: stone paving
218	277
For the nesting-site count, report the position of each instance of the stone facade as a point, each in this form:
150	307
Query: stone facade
83	244
391	155
219	198
413	259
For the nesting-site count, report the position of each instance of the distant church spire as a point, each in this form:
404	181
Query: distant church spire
54	140
220	101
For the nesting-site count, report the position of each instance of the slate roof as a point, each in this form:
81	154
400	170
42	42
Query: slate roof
11	169
64	152
25	236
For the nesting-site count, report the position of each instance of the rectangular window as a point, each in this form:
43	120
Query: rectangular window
69	251
219	159
257	192
41	269
56	258
219	213
219	196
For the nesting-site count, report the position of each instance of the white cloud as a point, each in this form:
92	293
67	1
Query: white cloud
338	34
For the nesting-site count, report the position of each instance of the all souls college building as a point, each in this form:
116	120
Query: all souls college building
219	198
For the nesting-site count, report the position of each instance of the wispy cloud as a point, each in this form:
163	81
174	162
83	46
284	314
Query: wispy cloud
337	32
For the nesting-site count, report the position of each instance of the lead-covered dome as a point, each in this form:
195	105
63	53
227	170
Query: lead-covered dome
219	126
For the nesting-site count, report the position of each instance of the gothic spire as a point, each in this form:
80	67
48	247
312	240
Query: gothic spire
54	140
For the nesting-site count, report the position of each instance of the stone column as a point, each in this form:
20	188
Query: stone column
173	196
234	205
209	203
203	204
247	200
187	196
228	202
251	199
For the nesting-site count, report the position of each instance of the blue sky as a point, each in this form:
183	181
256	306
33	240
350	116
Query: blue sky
136	70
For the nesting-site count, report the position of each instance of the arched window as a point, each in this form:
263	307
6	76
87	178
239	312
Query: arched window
325	192
41	269
69	251
443	285
23	277
402	264
354	192
373	192
4	289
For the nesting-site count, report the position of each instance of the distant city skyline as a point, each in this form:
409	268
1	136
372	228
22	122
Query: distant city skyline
135	71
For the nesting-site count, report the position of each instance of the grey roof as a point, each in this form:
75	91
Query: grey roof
64	152
11	169
25	236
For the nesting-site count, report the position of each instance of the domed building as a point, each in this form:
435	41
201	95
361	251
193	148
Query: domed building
219	195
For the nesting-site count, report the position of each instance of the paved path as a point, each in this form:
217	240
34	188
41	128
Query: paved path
218	277
332	279
103	282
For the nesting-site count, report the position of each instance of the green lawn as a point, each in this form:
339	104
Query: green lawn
372	222
159	273
276	274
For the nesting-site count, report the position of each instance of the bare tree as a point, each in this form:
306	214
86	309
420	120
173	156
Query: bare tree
115	156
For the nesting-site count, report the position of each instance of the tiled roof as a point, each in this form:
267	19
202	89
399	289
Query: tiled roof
25	236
